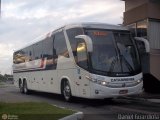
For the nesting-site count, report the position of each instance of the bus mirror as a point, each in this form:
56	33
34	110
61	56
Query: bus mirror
146	43
87	40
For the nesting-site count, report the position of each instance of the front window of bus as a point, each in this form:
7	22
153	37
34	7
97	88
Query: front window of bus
114	53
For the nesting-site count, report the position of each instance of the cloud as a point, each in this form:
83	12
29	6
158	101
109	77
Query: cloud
23	20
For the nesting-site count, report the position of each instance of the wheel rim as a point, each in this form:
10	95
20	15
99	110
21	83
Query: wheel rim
25	87
67	91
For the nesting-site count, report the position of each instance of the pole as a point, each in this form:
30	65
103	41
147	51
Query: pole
0	8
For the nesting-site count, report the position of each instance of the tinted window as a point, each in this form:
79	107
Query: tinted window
48	48
71	35
60	45
82	55
103	49
30	53
37	50
19	57
48	53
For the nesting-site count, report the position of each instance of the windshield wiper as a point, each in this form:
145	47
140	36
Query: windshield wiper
127	64
120	58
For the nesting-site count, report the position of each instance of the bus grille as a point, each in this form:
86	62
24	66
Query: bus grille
121	85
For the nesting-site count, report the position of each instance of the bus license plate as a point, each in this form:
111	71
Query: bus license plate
123	91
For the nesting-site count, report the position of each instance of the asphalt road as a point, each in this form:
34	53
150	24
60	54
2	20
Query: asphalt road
118	108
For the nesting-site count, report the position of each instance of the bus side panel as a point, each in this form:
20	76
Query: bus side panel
50	82
67	74
16	79
65	68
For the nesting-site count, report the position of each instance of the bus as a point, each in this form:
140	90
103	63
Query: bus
87	60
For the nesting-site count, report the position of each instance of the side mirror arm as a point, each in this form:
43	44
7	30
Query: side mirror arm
88	41
146	43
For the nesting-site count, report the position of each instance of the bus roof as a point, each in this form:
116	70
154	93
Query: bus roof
96	25
83	25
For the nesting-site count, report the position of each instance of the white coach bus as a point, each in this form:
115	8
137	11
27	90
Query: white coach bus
88	60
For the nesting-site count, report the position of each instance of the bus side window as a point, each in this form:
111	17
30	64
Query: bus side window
37	50
71	35
60	45
82	59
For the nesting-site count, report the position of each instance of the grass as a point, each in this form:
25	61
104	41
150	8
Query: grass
32	110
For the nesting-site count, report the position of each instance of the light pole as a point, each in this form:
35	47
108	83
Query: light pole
0	8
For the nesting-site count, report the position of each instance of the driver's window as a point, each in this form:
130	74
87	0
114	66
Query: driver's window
82	55
141	47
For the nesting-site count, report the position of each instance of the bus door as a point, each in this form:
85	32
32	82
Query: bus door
82	70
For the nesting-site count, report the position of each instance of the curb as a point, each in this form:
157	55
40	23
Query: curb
75	116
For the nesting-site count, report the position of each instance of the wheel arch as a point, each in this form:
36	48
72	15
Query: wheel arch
20	81
24	79
65	78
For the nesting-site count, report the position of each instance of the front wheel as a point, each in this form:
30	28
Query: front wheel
67	91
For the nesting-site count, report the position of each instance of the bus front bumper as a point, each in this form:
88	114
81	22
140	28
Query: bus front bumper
101	92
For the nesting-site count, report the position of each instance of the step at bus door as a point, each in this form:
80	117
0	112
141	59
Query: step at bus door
82	84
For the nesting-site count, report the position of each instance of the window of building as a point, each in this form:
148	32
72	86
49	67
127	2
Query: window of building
132	28
142	29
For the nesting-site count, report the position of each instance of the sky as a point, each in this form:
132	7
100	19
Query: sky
24	20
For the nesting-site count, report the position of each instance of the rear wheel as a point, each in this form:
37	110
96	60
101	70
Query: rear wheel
66	90
21	86
26	91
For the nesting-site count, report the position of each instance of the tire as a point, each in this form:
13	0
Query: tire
26	91
66	91
21	88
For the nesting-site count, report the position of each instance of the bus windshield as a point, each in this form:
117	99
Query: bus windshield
114	53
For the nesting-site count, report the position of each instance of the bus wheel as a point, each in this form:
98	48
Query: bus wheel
26	91
67	91
21	86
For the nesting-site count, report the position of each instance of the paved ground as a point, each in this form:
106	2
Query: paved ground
148	104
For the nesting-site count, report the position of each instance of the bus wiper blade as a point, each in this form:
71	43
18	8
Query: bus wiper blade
127	64
118	59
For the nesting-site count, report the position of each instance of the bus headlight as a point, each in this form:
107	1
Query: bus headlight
140	80
100	82
104	83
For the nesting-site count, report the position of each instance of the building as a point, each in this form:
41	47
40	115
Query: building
143	19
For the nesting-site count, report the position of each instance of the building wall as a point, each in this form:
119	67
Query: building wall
136	14
154	34
154	40
142	10
130	4
155	63
139	10
154	10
